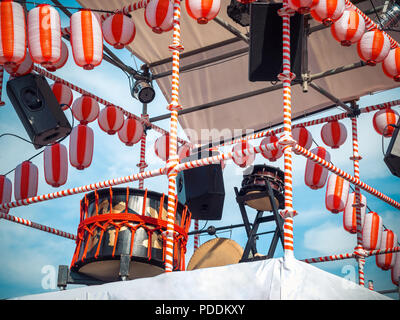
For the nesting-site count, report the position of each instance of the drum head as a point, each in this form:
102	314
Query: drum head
215	253
261	204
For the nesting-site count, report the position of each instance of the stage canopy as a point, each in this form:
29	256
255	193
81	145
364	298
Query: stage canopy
214	72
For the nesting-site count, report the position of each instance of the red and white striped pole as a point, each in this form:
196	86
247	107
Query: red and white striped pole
142	163
286	77
173	160
196	235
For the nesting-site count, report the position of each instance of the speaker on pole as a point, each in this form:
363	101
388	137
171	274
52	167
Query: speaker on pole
392	156
38	109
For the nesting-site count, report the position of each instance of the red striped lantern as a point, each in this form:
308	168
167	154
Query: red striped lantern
81	143
161	147
373	47
131	132
271	155
25	180
44	34
63	94
395	271
328	11
85	109
17	70
203	10
183	151
12	33
303	137
243	160
389	240
86	39
111	119
337	192
302	6
350	212
383	119
349	28
55	164
5	191
60	63
391	64
119	30
333	134
159	15
315	175
372	231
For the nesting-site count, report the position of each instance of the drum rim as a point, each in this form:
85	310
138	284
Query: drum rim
280	172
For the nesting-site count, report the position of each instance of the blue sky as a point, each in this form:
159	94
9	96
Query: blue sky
28	254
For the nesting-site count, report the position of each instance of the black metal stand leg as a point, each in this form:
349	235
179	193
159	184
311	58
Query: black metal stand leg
251	242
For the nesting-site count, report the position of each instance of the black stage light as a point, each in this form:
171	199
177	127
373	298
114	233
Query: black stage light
392	16
392	156
239	12
143	91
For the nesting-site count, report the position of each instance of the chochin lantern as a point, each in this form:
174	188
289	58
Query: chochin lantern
85	109
372	231
382	121
17	70
242	160
111	119
119	30
131	132
328	11
56	165
63	95
203	10
183	151
161	147
391	64
25	180
302	6
315	175
81	142
86	39
389	240
44	36
337	191
334	134
272	155
395	271
5	191
373	47
12	33
350	212
159	15
303	137
60	63
349	28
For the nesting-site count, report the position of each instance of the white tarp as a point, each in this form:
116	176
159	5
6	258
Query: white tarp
273	279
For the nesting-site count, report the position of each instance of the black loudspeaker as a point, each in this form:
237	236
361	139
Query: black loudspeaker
392	156
265	54
202	189
38	109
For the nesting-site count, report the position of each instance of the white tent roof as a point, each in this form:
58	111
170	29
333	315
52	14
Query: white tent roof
273	279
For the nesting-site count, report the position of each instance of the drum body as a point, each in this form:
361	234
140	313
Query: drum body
134	224
255	189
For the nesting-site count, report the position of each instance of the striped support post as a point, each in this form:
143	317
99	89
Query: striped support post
2	103
196	236
173	160
286	77
142	164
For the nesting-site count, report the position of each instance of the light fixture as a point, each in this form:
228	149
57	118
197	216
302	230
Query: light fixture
143	91
239	12
391	16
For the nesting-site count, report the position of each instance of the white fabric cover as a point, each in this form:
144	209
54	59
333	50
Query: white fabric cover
273	279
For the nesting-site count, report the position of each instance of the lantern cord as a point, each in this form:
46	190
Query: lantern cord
58	6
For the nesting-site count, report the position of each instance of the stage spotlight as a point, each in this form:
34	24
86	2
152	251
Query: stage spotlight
239	12
143	91
392	15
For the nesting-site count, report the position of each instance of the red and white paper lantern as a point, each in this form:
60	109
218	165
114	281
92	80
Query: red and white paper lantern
350	213
389	240
86	39
303	137
111	119
183	151
243	160
315	175
203	10
302	6
333	134
44	34
25	180
328	11
17	70
81	144
349	28
60	63
161	147
382	121
131	132
391	64
373	47
12	33
56	164
271	155
159	15
119	30
395	271
372	231
85	109
5	191
337	192
63	95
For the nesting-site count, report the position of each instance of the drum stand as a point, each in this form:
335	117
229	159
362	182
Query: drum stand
251	229
66	276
